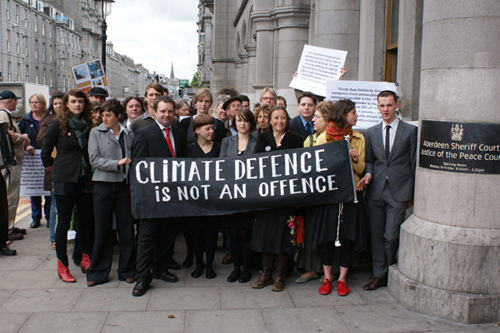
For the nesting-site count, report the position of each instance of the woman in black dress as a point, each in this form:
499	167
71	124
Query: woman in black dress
271	234
205	228
240	224
72	174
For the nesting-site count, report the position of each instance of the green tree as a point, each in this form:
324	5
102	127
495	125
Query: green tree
194	81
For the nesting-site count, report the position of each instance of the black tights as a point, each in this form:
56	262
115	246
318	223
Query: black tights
240	248
205	239
345	253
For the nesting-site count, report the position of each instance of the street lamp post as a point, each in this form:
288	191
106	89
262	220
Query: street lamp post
104	10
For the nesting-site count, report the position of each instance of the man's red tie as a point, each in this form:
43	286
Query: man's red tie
169	143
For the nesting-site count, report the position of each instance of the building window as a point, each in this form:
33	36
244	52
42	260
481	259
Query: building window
44	57
43	27
18	72
9	71
17	14
391	41
8	40
27	73
50	53
44	76
25	18
36	23
7	10
18	42
36	75
51	79
50	30
36	49
25	45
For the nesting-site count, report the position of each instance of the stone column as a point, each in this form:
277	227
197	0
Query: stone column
337	27
449	255
371	40
264	27
250	48
244	87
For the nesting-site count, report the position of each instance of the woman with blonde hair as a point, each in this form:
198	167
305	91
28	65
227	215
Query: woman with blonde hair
30	125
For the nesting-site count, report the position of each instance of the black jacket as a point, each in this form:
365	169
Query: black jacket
150	142
27	125
266	142
67	164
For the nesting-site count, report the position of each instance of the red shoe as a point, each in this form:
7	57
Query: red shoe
326	287
342	289
85	263
64	273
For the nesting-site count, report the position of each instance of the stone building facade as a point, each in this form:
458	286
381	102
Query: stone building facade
40	40
251	44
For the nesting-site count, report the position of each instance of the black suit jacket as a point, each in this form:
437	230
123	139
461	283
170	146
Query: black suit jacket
186	125
398	170
266	139
150	142
297	127
67	164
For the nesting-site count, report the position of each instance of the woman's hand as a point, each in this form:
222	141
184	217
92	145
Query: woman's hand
124	161
343	72
31	150
354	155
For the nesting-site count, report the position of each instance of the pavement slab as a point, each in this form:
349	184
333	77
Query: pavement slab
150	321
27	280
244	297
12	322
74	322
41	300
23	263
170	299
110	299
225	321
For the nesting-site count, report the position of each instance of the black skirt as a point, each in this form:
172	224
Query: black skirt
271	232
353	224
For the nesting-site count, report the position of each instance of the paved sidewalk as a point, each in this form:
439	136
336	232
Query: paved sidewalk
34	299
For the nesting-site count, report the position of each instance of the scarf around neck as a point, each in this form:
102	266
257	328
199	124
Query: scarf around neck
334	133
81	129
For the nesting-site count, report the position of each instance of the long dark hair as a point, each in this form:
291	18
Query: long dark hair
57	94
65	113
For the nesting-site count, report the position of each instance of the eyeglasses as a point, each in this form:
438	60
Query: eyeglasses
235	106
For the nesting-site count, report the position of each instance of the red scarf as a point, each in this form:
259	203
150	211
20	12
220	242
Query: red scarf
334	133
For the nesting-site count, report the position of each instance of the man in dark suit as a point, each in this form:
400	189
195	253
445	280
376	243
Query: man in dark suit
391	149
157	236
302	124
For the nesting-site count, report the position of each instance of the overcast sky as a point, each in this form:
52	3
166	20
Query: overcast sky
156	33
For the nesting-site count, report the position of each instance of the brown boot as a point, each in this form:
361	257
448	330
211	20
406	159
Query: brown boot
265	278
279	278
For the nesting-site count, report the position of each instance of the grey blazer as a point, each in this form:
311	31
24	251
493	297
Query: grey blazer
105	152
399	169
229	146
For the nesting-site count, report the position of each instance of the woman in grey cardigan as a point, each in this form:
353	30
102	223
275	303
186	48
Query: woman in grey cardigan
109	153
240	224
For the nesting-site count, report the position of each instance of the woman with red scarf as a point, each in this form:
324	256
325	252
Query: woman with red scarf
345	222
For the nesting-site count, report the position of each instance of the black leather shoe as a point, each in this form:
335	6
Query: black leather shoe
34	224
166	276
188	262
197	272
47	225
140	288
210	274
7	252
233	277
21	231
175	266
245	277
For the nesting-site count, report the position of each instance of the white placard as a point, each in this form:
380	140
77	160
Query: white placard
316	66
364	94
32	175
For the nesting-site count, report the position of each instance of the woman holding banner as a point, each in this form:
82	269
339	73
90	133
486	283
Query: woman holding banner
240	224
30	124
205	228
69	134
271	234
341	225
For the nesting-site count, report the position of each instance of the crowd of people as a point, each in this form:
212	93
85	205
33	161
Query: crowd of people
87	145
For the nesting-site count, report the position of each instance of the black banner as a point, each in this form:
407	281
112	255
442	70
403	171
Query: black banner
200	187
460	147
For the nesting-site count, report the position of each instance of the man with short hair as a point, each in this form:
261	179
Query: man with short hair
245	101
390	157
281	101
268	96
98	94
302	124
157	236
12	174
151	93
